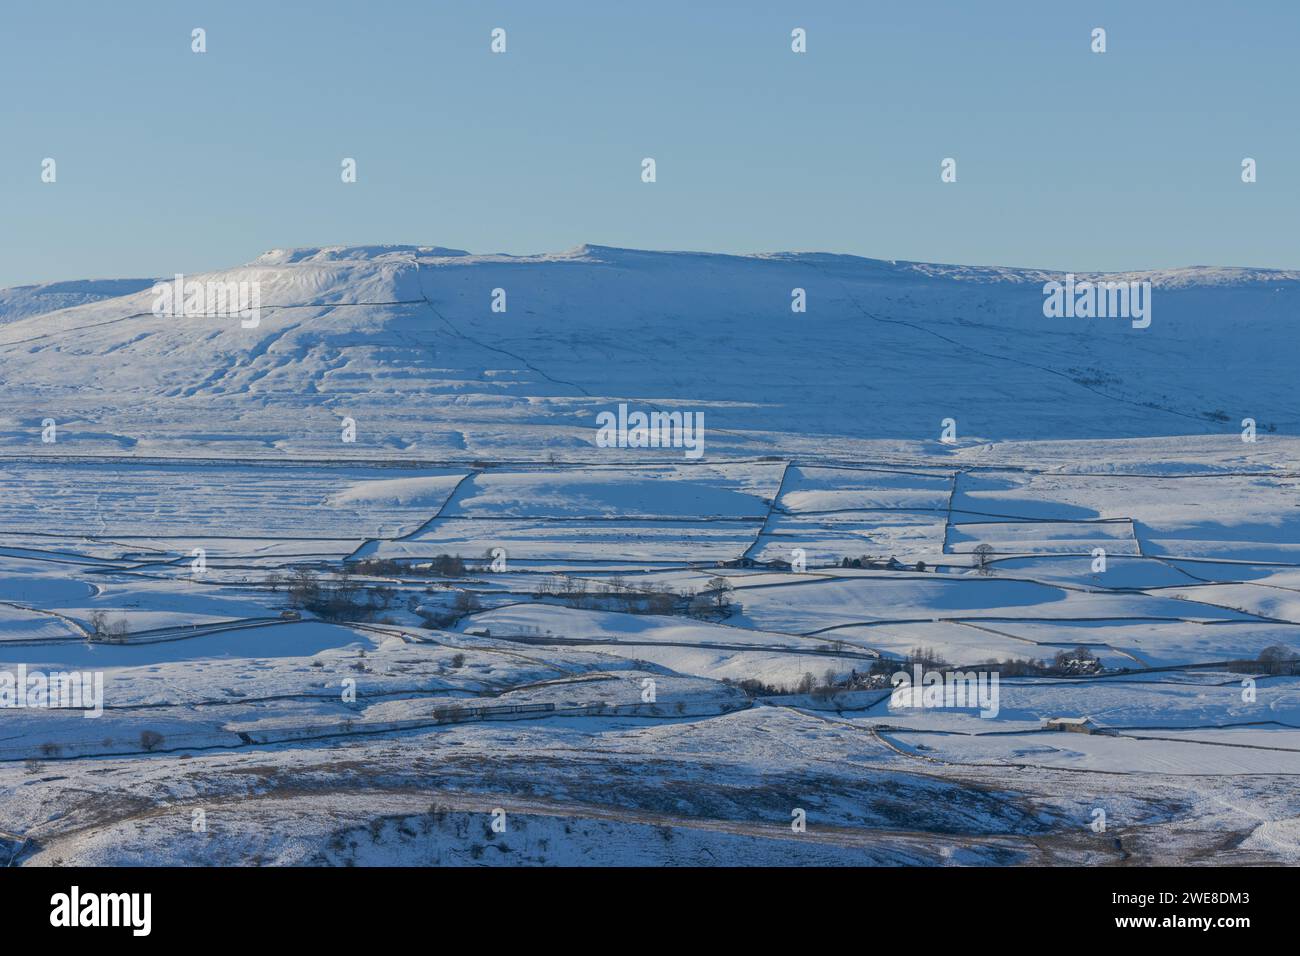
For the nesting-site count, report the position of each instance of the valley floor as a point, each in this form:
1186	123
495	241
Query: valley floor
657	662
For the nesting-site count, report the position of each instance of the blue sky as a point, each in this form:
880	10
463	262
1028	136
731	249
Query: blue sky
172	161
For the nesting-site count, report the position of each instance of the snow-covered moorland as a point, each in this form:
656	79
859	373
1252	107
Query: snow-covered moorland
360	585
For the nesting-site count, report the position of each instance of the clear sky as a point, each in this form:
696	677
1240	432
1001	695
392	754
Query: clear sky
174	161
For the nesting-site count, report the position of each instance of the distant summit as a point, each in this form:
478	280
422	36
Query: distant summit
280	257
21	301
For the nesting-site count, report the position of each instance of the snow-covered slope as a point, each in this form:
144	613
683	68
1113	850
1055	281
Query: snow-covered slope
22	301
404	340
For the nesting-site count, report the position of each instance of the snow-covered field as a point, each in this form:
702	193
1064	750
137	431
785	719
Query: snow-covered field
473	636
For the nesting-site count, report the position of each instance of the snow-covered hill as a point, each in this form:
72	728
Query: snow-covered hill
22	301
404	340
642	657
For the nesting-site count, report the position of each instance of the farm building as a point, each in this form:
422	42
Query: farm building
1074	725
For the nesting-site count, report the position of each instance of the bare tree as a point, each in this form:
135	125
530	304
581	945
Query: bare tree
1278	659
304	589
721	590
466	602
102	629
982	554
